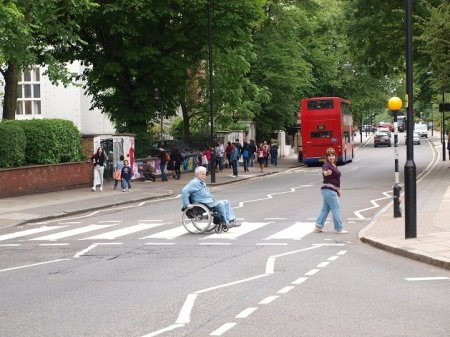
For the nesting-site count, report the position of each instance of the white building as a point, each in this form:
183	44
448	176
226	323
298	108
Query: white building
39	98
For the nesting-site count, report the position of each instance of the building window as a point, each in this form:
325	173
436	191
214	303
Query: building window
29	93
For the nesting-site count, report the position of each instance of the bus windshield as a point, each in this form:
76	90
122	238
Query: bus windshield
320	104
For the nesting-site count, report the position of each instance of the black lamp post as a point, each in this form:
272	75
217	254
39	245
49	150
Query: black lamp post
443	126
211	94
395	104
158	97
410	166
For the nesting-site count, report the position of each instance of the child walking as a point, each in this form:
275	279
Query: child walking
126	176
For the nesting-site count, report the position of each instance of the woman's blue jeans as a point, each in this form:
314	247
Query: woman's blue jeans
330	203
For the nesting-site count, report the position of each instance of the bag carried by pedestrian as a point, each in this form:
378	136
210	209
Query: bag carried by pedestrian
117	174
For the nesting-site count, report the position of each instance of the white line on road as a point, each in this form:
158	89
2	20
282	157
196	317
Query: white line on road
185	313
300	280
122	232
333	258
323	264
247	312
312	272
28	232
84	251
169	328
215	243
295	232
33	265
224	328
271	244
10	245
285	290
53	244
71	232
268	299
438	278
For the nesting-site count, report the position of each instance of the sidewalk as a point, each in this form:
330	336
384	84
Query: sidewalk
432	244
38	207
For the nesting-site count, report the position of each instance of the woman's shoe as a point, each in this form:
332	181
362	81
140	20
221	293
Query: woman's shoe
318	229
342	231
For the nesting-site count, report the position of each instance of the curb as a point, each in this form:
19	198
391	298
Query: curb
84	210
422	257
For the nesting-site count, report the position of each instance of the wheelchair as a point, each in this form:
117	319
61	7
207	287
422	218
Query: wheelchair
201	219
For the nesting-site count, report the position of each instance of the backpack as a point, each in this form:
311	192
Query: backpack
245	153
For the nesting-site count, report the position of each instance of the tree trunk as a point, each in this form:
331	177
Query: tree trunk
11	75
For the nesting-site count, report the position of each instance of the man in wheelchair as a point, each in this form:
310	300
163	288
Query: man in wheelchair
196	192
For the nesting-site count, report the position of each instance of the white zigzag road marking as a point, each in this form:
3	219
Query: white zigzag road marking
375	205
270	196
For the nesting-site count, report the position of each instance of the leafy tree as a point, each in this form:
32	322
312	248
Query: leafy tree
29	31
436	40
135	47
295	59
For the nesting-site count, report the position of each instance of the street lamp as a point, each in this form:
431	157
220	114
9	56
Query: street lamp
157	96
442	109
395	104
211	94
410	166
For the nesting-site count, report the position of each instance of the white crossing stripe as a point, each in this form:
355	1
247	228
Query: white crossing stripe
71	232
123	231
28	232
294	232
236	232
168	234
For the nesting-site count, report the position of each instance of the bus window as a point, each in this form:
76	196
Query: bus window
320	104
321	134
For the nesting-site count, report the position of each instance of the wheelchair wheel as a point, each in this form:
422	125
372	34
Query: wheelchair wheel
218	228
197	219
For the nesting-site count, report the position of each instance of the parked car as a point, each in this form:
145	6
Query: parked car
382	138
416	138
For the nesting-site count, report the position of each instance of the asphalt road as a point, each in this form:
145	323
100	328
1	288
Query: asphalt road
134	271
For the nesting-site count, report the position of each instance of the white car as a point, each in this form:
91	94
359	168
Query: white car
421	129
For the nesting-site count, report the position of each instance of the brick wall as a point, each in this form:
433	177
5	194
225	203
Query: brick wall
44	178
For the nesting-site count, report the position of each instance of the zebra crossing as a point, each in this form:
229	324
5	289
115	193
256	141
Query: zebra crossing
157	230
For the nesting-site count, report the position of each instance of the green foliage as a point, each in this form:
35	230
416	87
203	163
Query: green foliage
436	39
12	145
50	141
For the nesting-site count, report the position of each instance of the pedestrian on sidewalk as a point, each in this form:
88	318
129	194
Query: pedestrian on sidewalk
228	150
261	156
330	192
274	153
246	157
163	159
99	161
177	160
118	171
234	157
267	153
147	171
252	151
126	176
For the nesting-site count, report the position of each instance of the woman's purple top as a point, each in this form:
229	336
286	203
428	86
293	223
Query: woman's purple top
333	181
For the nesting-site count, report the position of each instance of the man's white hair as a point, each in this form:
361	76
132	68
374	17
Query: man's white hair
200	169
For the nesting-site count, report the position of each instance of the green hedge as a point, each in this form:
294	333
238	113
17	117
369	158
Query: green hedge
50	141
12	145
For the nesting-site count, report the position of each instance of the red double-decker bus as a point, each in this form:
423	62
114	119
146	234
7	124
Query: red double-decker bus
326	122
